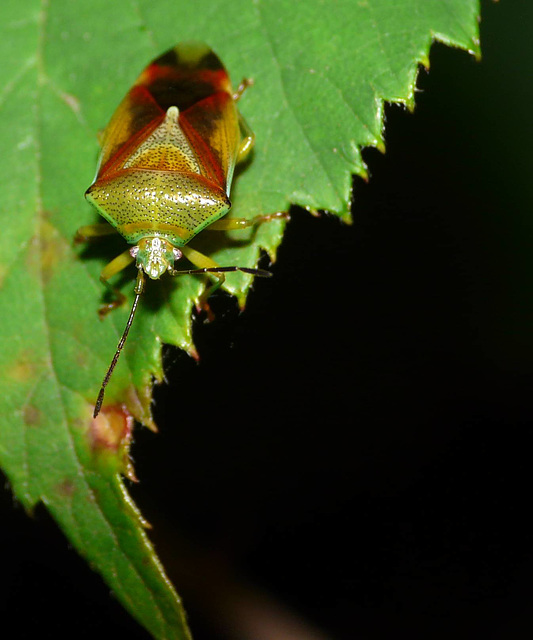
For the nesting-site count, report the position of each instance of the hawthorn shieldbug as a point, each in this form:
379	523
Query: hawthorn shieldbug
165	171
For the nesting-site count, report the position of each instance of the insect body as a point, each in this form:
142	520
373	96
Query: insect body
165	171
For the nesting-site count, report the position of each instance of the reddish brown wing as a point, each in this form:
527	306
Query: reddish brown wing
191	77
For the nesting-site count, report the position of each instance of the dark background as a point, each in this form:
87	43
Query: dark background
358	443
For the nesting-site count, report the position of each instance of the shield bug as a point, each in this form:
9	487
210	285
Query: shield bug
165	171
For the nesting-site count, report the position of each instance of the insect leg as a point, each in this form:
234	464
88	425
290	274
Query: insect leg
245	83
247	135
247	140
203	262
207	265
116	265
90	231
226	224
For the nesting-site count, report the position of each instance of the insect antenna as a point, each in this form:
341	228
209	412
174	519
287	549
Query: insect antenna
262	273
138	292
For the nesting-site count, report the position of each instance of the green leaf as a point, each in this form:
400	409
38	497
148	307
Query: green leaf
322	71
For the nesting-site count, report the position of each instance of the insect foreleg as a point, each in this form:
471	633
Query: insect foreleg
114	267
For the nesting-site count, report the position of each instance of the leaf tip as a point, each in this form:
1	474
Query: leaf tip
193	353
424	61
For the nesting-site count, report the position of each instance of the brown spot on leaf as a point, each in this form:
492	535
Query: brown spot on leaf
66	488
112	426
81	360
52	249
31	415
110	435
3	274
47	250
23	369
